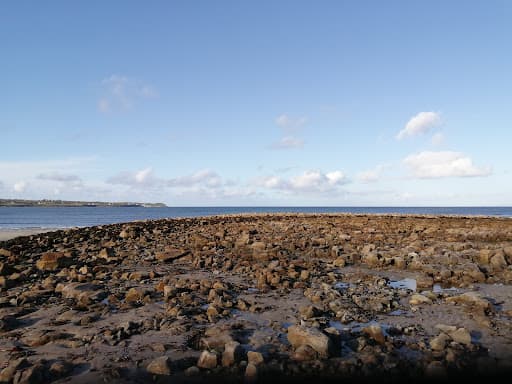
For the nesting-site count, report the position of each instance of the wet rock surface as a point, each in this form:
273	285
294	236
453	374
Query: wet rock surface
256	298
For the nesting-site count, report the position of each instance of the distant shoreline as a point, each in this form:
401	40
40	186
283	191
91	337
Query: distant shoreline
63	203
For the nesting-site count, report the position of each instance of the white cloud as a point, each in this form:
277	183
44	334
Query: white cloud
429	164
288	142
288	123
20	186
309	181
290	127
421	123
203	177
371	175
121	93
140	178
437	139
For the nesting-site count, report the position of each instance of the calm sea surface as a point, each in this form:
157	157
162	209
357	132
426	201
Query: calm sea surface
63	217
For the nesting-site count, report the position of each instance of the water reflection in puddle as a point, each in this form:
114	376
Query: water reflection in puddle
438	289
406	283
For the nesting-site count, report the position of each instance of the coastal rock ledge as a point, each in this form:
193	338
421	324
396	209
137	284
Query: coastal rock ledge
260	298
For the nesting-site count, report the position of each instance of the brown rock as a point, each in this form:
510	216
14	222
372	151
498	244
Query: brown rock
508	254
7	374
229	355
159	366
438	343
375	332
418	299
304	353
5	252
461	335
473	299
498	261
50	261
134	295
299	335
171	254
207	360
251	373
255	358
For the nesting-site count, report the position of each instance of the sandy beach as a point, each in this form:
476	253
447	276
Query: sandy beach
7	234
259	298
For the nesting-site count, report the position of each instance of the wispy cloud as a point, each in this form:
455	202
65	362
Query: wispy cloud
372	175
57	176
290	128
437	139
311	181
419	124
429	165
122	93
20	186
288	142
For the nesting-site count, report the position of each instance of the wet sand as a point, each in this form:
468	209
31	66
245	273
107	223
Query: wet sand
260	298
7	234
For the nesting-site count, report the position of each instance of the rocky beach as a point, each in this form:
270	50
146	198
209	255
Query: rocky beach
259	298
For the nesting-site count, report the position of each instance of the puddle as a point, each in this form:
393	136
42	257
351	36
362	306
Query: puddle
105	301
252	290
355	326
399	312
403	284
438	289
341	286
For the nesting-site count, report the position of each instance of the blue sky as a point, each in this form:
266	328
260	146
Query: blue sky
257	102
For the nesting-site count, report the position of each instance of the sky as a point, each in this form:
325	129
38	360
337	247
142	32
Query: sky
257	103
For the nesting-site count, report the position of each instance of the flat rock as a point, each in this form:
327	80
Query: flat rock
159	366
300	335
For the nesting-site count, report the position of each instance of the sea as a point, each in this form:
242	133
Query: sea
67	217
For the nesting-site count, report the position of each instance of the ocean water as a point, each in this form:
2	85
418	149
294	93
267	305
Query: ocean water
65	217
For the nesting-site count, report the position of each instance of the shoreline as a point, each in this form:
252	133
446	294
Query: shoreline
12	233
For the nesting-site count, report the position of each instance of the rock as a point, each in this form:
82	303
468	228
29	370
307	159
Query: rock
309	312
159	366
461	335
485	255
60	368
473	299
229	356
438	343
192	371
418	299
508	254
134	295
207	360
50	261
171	254
5	252
107	254
82	292
304	353
33	375
340	261
498	261
251	373
255	358
7	374
300	335
375	332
